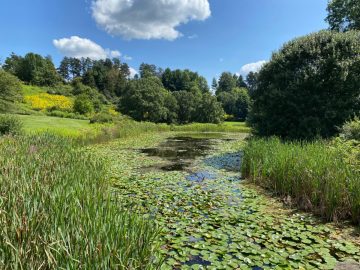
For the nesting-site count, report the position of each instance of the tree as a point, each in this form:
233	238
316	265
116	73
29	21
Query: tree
184	80
187	106
240	82
63	69
214	85
10	90
251	81
33	68
209	110
147	70
227	82
309	88
344	15
144	100
235	103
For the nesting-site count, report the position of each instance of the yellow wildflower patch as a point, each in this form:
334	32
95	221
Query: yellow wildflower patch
45	101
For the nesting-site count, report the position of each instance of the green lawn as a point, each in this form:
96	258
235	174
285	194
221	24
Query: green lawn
62	126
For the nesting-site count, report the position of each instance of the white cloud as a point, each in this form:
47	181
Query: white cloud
148	19
254	67
82	47
127	58
193	36
133	72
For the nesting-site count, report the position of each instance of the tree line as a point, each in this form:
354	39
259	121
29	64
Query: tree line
155	94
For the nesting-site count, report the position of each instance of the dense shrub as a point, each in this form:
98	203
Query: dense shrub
316	176
10	90
351	130
102	118
10	124
310	87
63	114
83	104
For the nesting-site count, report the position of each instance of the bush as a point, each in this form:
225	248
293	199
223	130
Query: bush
351	130
83	105
62	114
102	118
318	177
10	125
309	88
10	90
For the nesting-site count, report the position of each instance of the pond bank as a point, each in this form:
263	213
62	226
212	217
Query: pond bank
210	218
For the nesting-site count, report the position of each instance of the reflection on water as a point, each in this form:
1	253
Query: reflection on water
179	152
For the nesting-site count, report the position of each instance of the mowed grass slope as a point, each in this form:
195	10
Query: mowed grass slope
61	126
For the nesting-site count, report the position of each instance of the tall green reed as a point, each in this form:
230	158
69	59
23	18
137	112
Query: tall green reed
56	211
315	175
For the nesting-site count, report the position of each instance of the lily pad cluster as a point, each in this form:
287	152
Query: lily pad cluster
218	222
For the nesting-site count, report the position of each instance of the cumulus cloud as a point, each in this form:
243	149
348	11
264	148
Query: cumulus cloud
148	19
82	47
254	67
133	72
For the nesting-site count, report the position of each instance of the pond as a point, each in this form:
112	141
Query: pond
210	217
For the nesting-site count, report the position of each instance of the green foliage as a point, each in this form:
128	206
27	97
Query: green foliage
310	87
144	100
314	175
351	130
251	81
209	110
33	68
60	89
227	82
83	105
10	90
10	125
56	211
184	80
236	103
102	118
344	15
187	104
64	114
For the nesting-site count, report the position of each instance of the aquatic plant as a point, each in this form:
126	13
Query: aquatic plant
314	175
56	211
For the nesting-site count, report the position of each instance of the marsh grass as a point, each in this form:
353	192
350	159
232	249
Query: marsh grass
315	175
56	211
239	127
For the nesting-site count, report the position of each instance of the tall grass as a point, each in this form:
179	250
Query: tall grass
203	127
315	176
55	211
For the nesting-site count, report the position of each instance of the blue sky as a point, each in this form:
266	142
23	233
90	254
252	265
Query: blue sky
207	36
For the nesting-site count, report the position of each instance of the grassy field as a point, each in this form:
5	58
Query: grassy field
124	128
61	126
318	177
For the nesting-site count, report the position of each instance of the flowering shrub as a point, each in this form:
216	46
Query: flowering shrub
46	101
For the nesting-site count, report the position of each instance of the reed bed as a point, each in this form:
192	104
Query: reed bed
315	175
56	211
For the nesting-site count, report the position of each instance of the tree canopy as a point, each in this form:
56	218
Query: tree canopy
344	15
310	87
